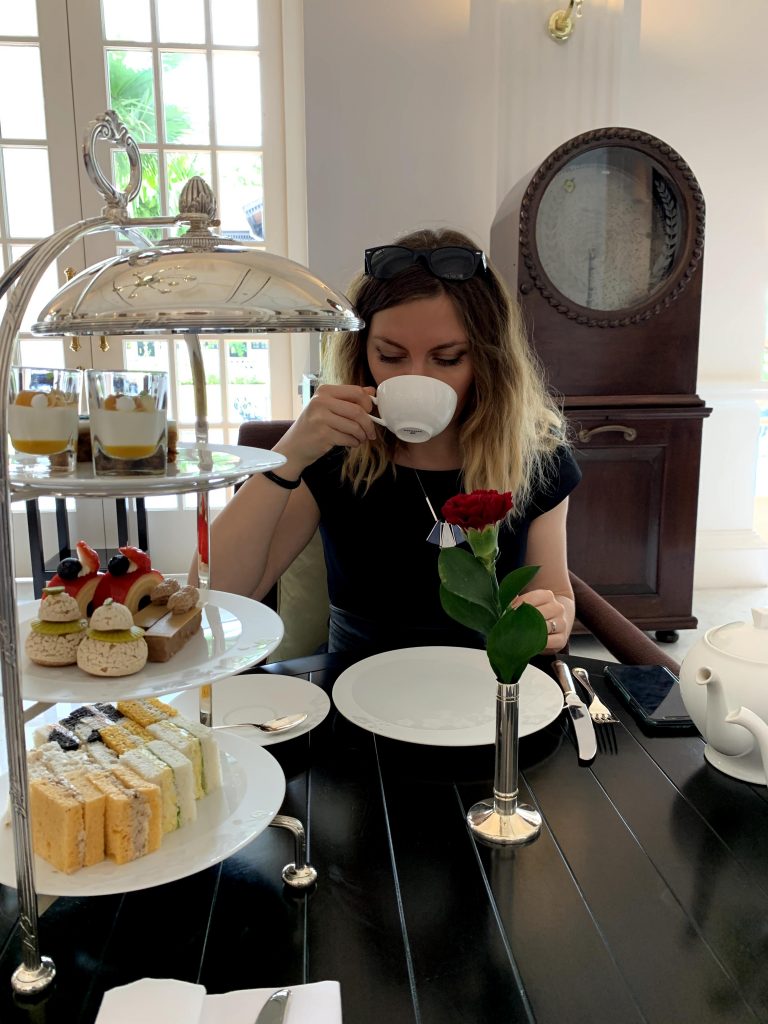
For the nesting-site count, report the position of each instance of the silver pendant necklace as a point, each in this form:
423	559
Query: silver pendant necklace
444	535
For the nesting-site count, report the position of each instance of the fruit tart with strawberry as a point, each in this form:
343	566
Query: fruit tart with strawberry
129	580
80	577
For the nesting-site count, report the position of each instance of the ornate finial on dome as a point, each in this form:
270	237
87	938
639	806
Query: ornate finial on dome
197	197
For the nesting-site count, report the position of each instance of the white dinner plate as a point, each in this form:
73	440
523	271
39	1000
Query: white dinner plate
441	696
228	819
258	698
236	634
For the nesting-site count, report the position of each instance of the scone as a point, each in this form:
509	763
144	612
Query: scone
113	646
54	638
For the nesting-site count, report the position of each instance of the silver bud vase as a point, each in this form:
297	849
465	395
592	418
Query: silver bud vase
502	821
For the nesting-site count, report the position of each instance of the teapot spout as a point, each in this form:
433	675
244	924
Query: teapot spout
749	720
728	739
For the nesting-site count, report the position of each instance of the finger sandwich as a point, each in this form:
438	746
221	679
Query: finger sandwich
68	818
183	778
186	744
133	813
152	769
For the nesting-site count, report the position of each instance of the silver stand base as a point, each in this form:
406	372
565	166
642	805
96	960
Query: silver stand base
300	874
299	878
522	825
30	982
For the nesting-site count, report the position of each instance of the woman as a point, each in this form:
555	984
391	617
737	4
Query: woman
431	306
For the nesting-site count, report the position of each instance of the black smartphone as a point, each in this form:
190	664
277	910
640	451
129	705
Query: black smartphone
652	695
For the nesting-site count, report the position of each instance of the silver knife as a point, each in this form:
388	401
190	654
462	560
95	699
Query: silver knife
273	1011
583	726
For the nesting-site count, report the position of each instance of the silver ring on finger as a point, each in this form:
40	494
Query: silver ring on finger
552	626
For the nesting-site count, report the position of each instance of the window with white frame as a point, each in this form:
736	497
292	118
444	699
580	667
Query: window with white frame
200	85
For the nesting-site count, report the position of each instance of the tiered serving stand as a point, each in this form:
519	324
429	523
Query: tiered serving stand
199	468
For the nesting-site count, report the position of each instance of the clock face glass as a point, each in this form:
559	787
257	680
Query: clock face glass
610	229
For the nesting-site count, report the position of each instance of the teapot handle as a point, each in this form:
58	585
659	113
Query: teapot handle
749	720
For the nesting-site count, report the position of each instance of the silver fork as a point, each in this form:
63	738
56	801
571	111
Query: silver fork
601	715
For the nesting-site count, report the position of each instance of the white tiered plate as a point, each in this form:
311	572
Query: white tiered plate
236	634
227	820
198	467
440	696
260	698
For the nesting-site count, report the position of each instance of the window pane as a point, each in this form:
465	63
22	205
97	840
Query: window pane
237	98
181	21
185	98
46	289
248	375
179	168
132	91
22	115
18	18
240	189
41	351
186	396
28	192
235	23
127	21
147	202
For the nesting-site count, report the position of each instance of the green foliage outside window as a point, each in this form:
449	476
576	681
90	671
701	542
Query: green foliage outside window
132	93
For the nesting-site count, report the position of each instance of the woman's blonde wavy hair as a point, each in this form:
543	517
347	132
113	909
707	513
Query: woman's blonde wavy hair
510	426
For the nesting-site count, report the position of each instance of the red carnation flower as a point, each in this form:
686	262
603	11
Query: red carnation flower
478	509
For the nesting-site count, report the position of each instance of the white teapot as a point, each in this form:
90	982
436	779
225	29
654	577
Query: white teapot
724	685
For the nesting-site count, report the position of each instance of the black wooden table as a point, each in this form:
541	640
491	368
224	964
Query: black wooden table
644	899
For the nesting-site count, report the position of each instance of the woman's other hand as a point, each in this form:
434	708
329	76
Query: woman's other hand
337	415
555	615
553	596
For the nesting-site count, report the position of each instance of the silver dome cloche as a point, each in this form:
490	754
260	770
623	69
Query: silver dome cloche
197	283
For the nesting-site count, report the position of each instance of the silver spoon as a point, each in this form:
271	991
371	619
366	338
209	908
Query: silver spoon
273	725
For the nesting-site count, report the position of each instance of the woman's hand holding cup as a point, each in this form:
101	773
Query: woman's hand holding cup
337	415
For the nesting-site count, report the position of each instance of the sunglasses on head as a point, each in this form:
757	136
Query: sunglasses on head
449	262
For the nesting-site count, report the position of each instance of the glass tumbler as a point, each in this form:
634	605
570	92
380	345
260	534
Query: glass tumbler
43	408
128	412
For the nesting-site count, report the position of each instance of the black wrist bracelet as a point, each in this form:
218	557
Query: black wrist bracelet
289	485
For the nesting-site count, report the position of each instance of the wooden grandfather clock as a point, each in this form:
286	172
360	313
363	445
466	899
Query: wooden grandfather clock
603	245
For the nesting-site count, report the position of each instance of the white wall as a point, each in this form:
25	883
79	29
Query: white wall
424	112
401	123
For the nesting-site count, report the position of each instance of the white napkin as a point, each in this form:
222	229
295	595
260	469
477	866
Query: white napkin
159	1000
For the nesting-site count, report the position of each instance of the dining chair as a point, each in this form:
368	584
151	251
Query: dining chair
43	569
300	596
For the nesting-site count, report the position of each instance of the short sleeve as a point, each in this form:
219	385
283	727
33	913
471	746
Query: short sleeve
323	476
558	484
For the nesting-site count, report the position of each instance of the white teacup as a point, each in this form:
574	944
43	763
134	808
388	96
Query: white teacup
413	407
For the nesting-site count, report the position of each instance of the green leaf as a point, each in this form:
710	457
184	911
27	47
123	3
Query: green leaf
467	612
512	584
462	574
519	634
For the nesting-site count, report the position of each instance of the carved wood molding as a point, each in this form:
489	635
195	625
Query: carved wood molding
678	170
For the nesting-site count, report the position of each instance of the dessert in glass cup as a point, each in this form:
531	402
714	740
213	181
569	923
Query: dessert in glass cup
43	413
128	418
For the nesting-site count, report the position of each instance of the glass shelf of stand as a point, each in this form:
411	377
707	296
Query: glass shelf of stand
198	467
